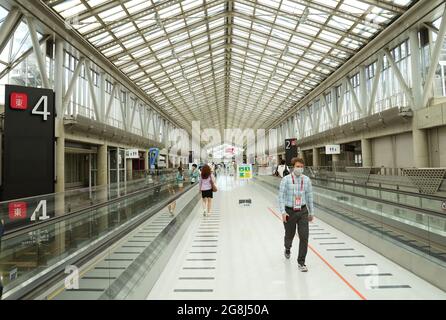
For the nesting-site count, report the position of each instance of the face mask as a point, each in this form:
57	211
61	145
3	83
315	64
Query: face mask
298	171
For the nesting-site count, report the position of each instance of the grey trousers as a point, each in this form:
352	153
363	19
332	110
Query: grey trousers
297	219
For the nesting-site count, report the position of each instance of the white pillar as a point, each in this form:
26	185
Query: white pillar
420	148
316	158
366	149
102	165
60	130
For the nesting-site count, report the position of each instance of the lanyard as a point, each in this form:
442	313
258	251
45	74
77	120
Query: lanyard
301	182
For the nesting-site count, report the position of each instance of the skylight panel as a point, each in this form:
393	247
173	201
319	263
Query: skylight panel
137	6
170	11
133	43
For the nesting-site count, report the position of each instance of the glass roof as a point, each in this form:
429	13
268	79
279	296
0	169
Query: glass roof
230	64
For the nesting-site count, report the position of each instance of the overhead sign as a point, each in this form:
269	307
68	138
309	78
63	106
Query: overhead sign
333	149
29	143
245	171
230	151
132	154
290	150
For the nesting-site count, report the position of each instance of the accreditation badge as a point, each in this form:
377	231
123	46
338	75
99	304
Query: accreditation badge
297	203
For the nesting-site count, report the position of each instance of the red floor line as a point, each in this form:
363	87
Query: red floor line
327	263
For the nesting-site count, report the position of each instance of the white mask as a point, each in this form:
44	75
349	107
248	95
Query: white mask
298	171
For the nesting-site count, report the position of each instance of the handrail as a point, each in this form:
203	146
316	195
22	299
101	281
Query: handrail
397	191
384	201
15	232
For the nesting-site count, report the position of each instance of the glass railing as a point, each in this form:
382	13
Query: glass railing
415	228
21	213
27	256
417	200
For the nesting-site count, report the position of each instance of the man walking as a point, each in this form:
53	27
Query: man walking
194	174
297	208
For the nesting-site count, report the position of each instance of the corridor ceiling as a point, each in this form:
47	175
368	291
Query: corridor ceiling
229	64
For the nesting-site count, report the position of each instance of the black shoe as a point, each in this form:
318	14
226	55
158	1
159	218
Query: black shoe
287	253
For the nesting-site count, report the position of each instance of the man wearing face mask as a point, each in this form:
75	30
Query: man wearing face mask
297	208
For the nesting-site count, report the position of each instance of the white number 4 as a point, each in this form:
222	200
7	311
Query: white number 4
41	206
44	113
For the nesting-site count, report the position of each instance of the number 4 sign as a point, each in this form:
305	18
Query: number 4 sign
40	206
44	113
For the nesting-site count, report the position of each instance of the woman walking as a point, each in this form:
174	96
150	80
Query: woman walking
207	188
179	178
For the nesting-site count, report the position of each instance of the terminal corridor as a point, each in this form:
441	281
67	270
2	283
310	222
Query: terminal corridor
237	253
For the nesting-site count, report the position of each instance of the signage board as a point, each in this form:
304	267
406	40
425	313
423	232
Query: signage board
290	150
132	154
333	149
245	171
28	155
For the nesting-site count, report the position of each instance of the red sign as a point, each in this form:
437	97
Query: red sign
230	150
19	101
17	210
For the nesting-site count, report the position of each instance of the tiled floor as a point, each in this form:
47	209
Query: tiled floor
237	253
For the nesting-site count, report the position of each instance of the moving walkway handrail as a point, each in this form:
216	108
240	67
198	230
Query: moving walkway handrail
425	211
29	211
397	191
18	231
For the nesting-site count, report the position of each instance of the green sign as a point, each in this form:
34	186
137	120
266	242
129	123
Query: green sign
245	171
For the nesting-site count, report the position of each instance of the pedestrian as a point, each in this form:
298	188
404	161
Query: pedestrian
216	170
180	178
207	188
297	208
282	170
194	174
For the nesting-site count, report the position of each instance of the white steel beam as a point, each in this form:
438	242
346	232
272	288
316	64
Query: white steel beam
23	56
132	119
376	81
415	59
434	60
399	76
110	101
8	27
123	110
38	52
341	103
72	84
92	91
354	96
327	108
363	92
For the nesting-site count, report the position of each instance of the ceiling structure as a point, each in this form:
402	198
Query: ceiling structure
229	64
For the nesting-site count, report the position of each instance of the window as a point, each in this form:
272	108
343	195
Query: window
108	86
370	71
